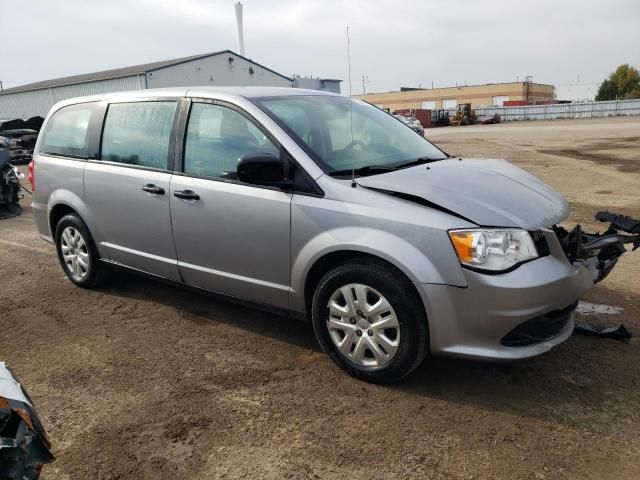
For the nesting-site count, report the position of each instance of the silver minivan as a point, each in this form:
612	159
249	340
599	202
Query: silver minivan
320	206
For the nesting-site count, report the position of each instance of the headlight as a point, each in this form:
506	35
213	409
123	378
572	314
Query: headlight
493	249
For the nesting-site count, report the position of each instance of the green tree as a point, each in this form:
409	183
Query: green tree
623	83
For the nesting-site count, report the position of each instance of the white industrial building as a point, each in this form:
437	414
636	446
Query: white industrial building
581	92
224	68
317	83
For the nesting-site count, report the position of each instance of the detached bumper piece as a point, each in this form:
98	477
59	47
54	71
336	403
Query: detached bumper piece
24	446
615	333
601	250
539	329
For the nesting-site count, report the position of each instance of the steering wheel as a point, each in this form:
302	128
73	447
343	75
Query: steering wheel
354	143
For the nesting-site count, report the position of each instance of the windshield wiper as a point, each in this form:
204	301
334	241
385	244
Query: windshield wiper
363	171
375	169
417	161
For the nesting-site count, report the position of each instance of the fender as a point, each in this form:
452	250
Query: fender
385	245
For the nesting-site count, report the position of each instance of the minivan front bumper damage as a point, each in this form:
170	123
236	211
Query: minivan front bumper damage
529	310
601	250
24	445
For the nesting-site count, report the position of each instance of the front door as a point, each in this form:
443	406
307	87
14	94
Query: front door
127	189
230	237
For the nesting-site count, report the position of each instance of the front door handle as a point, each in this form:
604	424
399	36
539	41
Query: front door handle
151	188
186	195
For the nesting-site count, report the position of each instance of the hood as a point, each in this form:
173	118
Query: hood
487	192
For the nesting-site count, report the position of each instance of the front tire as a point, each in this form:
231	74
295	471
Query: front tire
77	252
369	319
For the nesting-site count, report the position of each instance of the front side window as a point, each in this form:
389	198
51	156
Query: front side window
217	137
138	133
66	132
342	134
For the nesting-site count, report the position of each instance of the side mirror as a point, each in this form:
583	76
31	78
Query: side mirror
261	169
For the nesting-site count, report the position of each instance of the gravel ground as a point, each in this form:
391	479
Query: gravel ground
144	380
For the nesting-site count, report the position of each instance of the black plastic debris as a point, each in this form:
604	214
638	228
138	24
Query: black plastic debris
619	222
615	333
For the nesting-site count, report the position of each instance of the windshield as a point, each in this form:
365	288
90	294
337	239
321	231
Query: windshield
321	125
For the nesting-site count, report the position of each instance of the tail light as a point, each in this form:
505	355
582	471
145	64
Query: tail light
32	175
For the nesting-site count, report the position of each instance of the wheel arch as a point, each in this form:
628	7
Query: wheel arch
57	212
317	254
338	257
63	202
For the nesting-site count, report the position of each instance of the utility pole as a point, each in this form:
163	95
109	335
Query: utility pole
1	87
364	80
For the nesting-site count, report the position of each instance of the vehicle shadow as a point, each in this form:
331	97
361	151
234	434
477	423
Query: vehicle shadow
200	307
579	376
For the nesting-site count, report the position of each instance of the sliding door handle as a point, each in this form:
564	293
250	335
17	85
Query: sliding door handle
186	195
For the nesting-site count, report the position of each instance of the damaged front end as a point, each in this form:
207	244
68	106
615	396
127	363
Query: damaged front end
9	184
24	445
600	251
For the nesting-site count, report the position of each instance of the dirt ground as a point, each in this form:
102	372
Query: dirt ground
144	380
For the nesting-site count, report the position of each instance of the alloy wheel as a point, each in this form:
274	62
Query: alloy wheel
75	253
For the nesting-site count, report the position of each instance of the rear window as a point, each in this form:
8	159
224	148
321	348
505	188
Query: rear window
66	132
138	133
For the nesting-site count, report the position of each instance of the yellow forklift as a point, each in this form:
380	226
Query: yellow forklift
464	116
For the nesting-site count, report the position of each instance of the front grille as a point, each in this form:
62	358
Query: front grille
539	329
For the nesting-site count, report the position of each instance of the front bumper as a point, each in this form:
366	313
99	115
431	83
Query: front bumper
473	322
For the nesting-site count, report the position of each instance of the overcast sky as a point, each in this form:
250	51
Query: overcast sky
393	43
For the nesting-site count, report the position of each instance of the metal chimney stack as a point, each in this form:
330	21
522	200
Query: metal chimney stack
238	7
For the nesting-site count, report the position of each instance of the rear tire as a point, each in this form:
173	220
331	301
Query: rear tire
387	336
78	254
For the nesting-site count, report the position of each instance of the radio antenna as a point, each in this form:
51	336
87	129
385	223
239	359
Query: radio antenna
353	157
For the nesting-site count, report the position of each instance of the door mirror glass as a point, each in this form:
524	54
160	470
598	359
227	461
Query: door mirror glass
261	169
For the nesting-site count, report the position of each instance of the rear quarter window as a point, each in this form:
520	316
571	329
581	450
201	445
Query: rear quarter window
66	132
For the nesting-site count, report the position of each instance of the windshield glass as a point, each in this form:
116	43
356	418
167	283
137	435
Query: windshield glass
321	125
